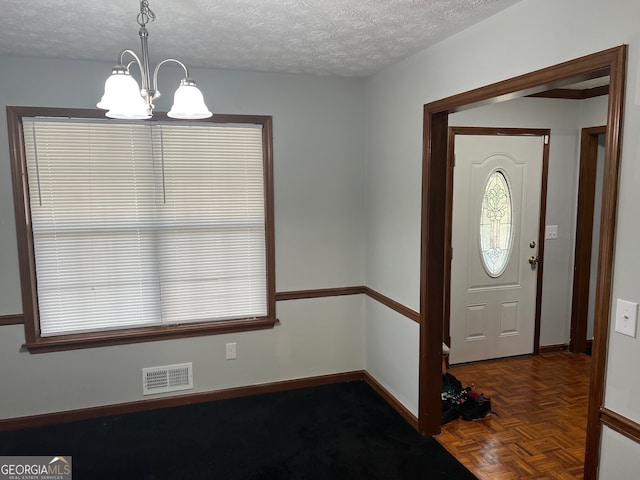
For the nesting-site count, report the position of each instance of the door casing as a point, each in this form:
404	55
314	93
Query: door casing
435	165
584	234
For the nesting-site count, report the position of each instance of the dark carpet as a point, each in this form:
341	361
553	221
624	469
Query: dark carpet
342	431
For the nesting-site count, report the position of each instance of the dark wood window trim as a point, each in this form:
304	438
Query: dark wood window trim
17	319
36	344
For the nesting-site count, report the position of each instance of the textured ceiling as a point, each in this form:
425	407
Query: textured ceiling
326	37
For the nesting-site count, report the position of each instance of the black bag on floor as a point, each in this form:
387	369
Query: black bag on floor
453	398
476	407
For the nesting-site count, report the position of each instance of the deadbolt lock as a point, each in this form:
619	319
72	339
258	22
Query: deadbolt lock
532	244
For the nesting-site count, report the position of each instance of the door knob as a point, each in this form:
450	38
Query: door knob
533	260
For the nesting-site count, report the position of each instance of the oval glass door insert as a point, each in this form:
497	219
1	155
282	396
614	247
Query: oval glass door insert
496	224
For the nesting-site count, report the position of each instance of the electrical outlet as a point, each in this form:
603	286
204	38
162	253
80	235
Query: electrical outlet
551	232
230	351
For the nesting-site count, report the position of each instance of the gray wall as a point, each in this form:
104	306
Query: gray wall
368	214
319	227
530	35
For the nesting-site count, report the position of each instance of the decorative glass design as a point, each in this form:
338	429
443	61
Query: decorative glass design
496	224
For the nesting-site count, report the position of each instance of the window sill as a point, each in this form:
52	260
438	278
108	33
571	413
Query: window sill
148	334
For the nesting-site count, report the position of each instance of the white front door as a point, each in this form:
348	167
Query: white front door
495	224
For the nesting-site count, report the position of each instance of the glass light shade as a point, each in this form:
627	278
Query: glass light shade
122	97
188	103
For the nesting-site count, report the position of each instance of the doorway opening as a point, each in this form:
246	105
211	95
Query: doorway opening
586	244
610	62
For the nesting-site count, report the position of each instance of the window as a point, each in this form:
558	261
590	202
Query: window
142	231
495	224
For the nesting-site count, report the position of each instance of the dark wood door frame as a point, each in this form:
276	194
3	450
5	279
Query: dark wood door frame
453	131
584	235
435	164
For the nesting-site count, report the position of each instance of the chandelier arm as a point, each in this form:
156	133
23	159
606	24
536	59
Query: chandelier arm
167	60
136	59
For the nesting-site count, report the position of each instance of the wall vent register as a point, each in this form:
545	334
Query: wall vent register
169	378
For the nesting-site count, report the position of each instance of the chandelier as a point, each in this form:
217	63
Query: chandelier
123	97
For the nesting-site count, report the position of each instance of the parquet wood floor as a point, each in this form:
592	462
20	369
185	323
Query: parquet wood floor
539	431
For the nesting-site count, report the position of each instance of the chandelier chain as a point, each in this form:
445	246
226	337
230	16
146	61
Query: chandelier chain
146	15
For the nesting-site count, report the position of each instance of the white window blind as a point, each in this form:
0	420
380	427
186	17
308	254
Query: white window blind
145	225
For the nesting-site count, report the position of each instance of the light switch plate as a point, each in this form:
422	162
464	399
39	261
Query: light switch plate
626	317
551	232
